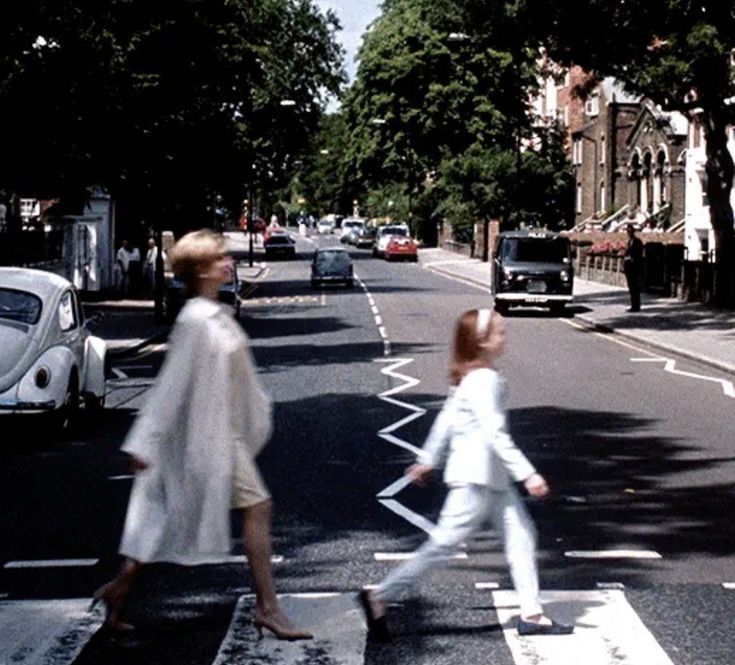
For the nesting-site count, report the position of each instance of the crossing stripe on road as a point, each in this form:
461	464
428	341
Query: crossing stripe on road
612	554
49	632
52	563
607	630
335	620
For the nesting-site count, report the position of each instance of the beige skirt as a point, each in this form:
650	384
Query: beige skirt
248	488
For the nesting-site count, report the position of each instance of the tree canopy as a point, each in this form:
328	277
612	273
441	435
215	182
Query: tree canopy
165	104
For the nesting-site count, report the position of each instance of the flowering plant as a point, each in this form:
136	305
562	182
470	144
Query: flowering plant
607	247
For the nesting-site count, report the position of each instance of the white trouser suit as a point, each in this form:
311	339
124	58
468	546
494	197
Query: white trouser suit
481	464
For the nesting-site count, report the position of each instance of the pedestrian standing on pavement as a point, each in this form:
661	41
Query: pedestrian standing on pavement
149	266
633	264
482	461
122	266
195	454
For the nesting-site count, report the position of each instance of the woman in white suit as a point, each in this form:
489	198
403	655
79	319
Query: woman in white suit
194	446
482	463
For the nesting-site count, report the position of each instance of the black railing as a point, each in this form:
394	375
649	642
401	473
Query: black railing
28	248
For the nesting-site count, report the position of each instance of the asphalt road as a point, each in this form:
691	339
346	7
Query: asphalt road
639	459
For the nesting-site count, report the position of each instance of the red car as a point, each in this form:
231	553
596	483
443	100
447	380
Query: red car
401	248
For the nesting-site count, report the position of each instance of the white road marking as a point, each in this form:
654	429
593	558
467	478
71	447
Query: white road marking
466	282
375	310
386	495
126	476
670	366
52	563
45	632
323	299
612	554
729	585
335	620
405	556
119	373
379	321
607	630
486	585
610	585
241	558
382	331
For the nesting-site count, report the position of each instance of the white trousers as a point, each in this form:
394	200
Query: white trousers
465	510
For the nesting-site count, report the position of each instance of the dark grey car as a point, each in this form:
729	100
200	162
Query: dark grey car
331	265
532	268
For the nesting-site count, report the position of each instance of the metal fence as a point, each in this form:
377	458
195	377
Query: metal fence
28	248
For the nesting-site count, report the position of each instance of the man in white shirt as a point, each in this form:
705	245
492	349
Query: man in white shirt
149	267
122	266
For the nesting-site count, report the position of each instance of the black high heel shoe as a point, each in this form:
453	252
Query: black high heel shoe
377	626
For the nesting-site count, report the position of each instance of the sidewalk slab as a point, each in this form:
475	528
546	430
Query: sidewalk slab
688	329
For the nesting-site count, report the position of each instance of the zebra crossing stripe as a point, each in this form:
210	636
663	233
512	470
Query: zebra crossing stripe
46	632
607	630
335	620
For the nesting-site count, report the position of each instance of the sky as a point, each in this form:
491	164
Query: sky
355	16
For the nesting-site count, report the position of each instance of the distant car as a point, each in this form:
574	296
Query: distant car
366	237
385	233
331	265
532	268
325	226
229	293
400	247
50	363
279	244
348	226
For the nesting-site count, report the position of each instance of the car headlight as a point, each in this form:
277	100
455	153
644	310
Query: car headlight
507	273
43	376
564	275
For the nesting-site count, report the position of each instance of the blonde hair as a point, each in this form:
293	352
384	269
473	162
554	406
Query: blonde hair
467	351
194	253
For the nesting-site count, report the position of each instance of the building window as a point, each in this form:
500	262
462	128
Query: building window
602	150
577	152
592	107
579	199
602	197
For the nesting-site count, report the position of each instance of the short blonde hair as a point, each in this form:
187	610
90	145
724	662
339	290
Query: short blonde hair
194	253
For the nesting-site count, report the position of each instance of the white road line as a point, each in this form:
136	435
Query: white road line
323	299
241	558
467	282
119	373
45	632
619	586
608	337
379	321
51	563
405	556
375	310
670	366
486	585
334	618
612	554
728	585
419	521
126	476
607	630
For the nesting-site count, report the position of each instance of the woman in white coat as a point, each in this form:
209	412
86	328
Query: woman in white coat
482	462
194	446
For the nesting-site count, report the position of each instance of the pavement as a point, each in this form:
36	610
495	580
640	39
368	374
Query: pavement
687	329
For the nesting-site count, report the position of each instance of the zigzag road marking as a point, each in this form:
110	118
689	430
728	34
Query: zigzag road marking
386	495
670	366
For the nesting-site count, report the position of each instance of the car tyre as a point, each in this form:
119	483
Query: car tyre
501	307
557	309
66	414
350	284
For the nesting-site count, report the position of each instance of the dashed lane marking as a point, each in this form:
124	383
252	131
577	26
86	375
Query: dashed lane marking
51	563
376	313
486	585
335	620
607	630
612	554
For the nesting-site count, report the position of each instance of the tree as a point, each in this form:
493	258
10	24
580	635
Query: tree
677	53
165	104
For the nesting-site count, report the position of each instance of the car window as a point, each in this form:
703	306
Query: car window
535	250
332	260
20	306
279	240
395	231
67	313
79	308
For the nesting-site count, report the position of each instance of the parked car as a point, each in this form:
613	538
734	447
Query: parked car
366	237
350	224
229	294
279	244
331	265
325	226
400	247
532	268
50	363
385	233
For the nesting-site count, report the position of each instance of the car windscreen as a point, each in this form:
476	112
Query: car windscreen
279	240
20	306
332	261
394	231
536	250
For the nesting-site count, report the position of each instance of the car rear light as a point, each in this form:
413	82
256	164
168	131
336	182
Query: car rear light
43	376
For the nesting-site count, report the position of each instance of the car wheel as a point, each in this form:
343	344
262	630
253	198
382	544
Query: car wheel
375	253
501	307
66	413
350	284
557	309
93	403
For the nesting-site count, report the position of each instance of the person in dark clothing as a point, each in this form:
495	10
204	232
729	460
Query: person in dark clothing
633	264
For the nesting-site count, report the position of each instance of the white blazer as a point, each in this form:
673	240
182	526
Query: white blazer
471	431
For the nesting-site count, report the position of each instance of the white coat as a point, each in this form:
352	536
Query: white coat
471	431
179	506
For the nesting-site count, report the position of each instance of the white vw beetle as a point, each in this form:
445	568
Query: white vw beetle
48	360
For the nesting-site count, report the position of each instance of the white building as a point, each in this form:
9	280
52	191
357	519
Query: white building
699	237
